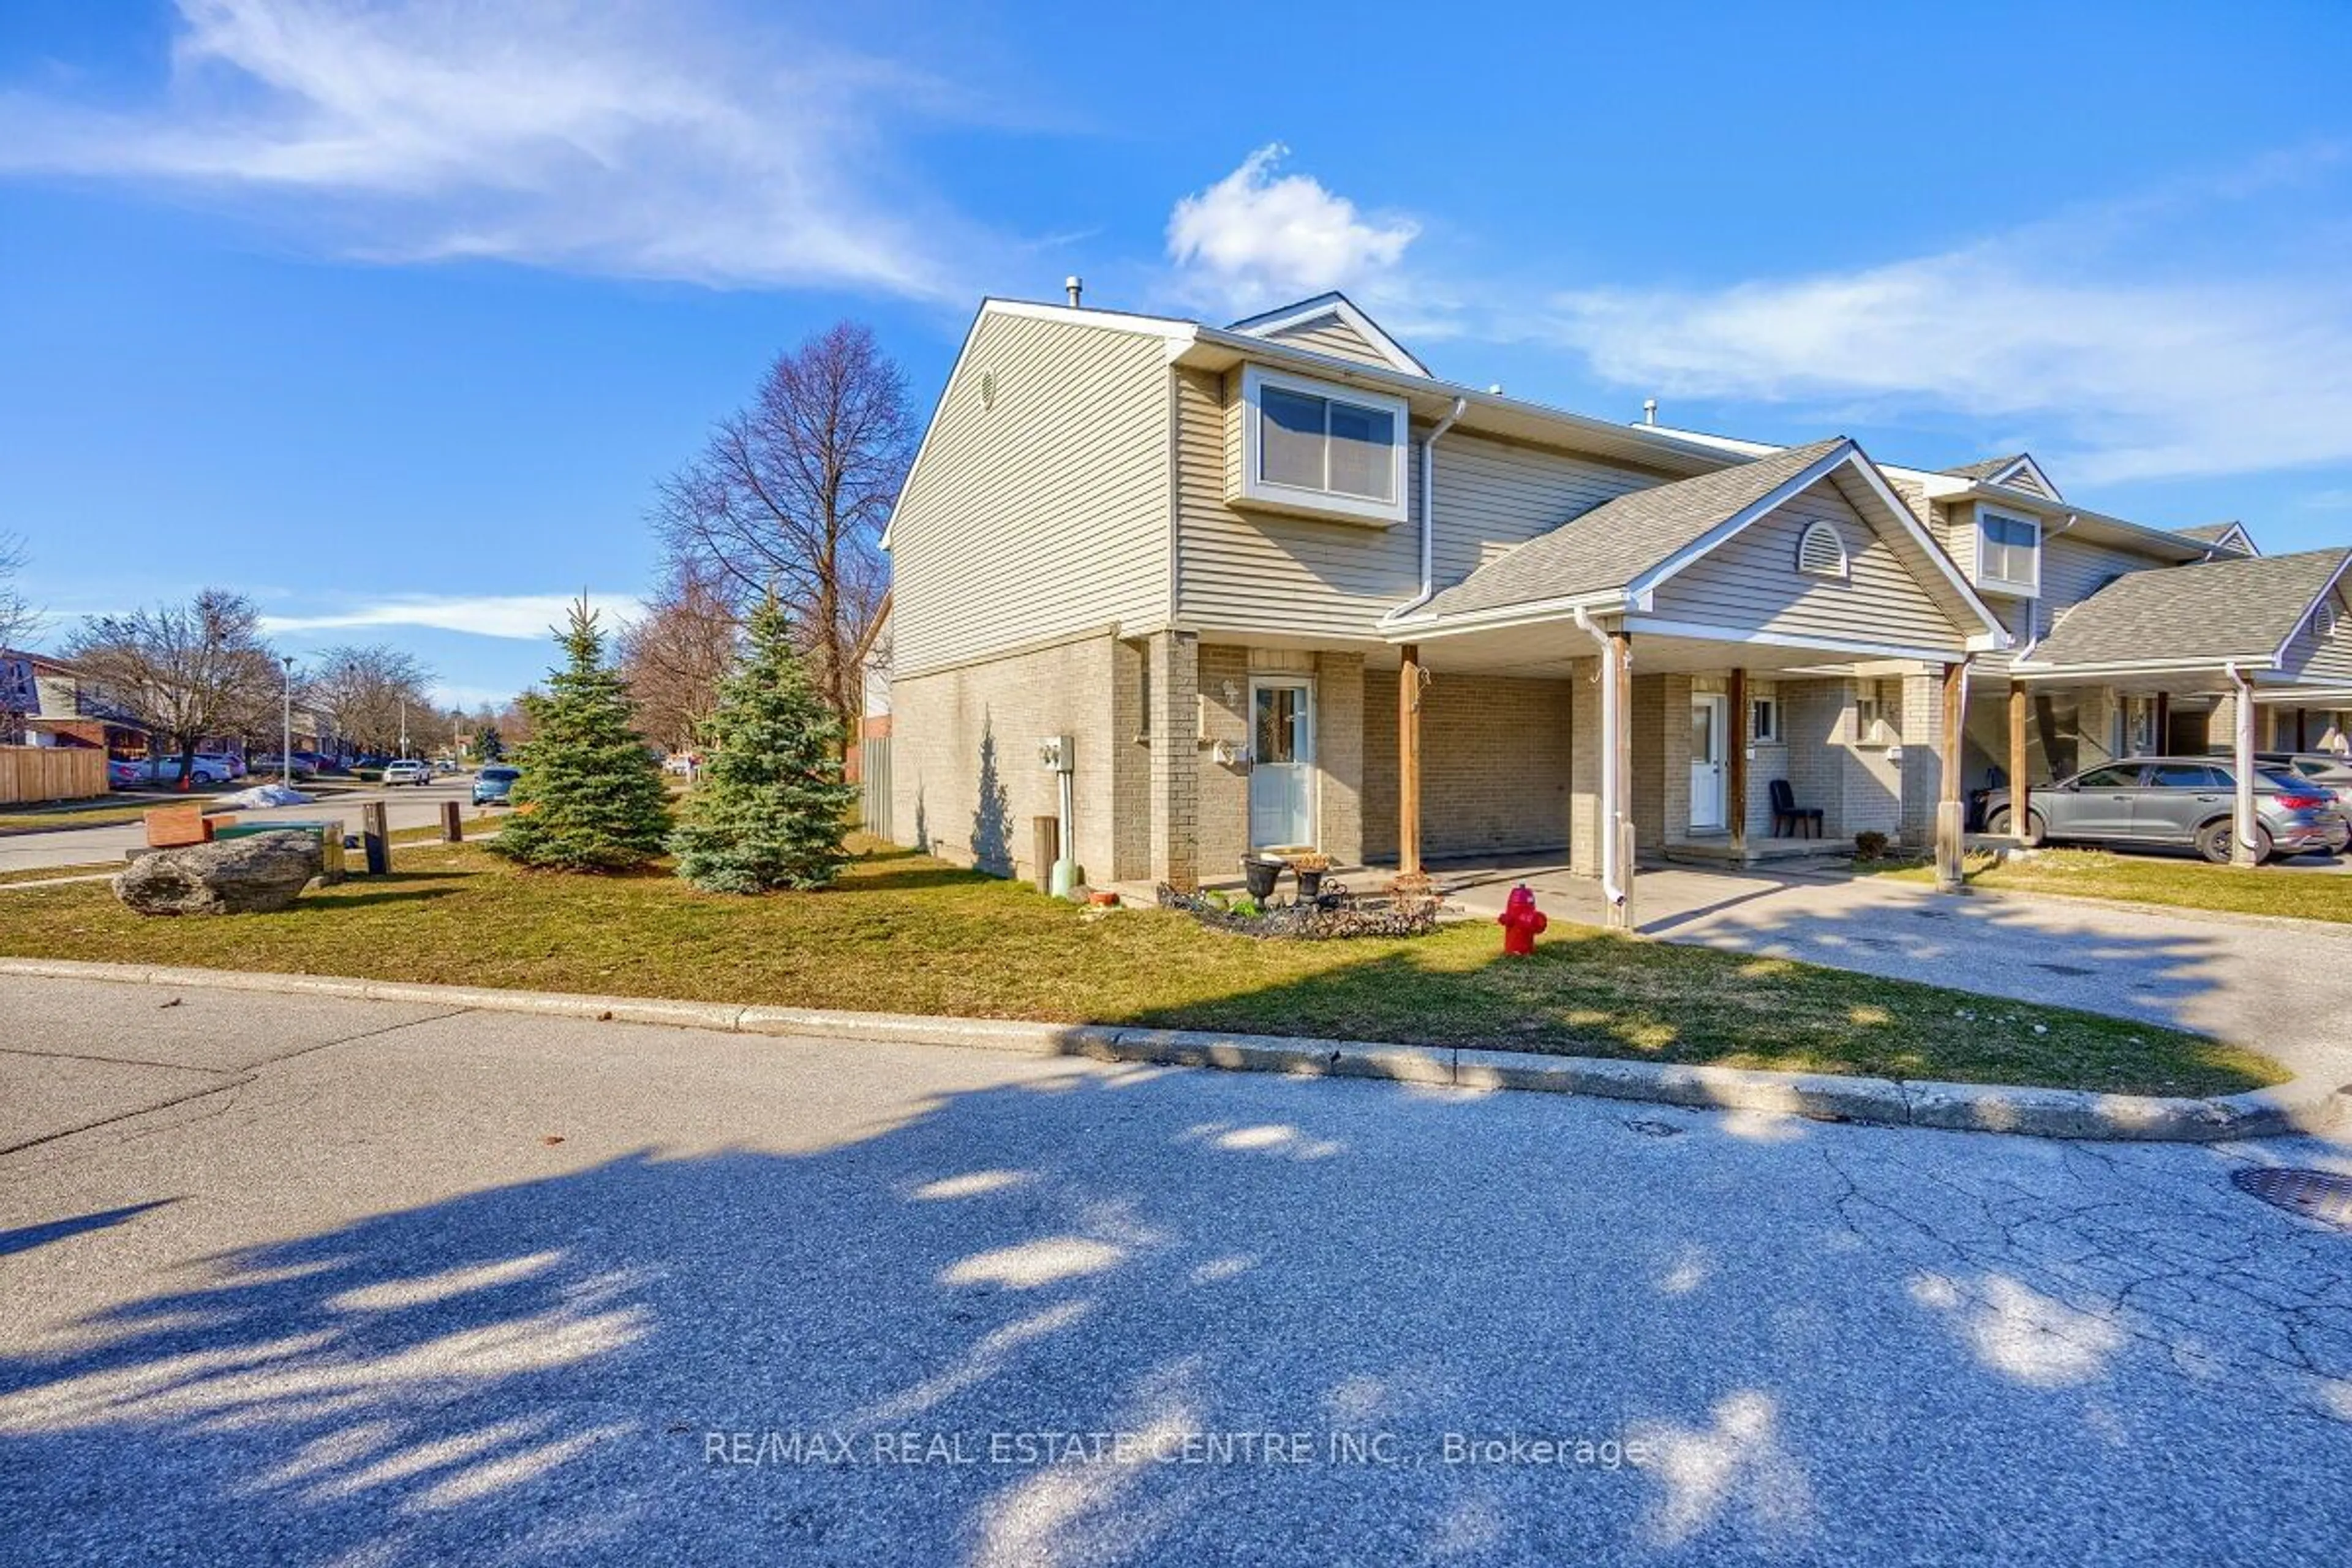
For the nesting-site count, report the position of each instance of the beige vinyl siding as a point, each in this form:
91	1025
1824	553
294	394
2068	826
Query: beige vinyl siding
2023	480
1268	574
1493	495
1044	515
2326	658
1750	582
1328	334
2073	569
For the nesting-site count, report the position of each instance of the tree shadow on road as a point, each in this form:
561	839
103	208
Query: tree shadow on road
559	1369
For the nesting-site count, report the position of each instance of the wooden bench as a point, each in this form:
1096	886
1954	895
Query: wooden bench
176	826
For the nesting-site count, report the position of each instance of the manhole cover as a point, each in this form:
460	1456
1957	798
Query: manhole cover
2316	1194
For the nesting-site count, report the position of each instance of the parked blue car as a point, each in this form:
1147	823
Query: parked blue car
491	784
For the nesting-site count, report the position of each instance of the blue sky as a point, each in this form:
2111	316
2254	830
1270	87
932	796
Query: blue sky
394	314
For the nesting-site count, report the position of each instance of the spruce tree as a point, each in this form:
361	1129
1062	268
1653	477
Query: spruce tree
772	808
488	746
590	797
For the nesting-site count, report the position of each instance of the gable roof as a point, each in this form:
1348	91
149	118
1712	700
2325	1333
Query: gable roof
1338	306
1632	543
2226	535
2018	470
2243	609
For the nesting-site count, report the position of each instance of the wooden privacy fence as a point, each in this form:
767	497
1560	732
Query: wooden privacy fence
51	772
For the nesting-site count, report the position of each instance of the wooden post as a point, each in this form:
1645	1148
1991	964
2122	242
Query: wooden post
1621	758
2020	792
453	826
375	837
2302	731
1948	820
2163	723
1409	763
1735	785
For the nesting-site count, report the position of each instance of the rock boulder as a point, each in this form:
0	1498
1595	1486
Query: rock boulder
256	875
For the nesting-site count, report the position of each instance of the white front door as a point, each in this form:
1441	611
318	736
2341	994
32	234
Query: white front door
1281	762
1709	712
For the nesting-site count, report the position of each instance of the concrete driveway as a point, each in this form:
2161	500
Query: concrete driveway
410	806
404	1288
2283	988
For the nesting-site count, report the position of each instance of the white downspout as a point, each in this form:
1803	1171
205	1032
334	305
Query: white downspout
1609	803
2241	824
1429	513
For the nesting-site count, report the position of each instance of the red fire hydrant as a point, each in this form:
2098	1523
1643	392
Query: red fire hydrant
1522	922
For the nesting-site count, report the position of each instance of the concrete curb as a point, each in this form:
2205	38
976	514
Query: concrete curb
2302	1106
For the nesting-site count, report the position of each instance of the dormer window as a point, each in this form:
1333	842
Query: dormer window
1311	447
1821	552
2009	551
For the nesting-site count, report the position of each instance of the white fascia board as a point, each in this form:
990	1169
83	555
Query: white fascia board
1334	304
2302	620
1699	631
2023	669
1533	612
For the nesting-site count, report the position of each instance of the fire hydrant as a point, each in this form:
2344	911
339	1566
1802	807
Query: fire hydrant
1522	922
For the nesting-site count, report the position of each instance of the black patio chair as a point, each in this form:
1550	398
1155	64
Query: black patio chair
1787	812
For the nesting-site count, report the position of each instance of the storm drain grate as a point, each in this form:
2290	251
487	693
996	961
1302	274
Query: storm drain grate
2316	1194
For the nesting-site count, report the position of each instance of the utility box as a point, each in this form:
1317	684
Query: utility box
1059	753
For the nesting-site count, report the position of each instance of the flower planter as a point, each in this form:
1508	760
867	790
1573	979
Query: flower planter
1310	884
1261	875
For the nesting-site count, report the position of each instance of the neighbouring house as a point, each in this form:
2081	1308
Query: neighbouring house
70	710
1282	587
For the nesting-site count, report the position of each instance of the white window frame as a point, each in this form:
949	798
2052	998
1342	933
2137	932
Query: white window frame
1837	537
1256	489
1764	731
2029	586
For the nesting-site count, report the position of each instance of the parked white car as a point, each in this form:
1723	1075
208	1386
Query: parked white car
407	772
206	768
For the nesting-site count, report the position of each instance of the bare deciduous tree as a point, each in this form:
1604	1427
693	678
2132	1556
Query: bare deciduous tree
17	617
676	655
362	690
792	494
183	672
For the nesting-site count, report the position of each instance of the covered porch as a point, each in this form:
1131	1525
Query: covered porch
1752	657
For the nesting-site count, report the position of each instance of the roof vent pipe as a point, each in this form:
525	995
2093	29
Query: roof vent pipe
1648	411
1076	286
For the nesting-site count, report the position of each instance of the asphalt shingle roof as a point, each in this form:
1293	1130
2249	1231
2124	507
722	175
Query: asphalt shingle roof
2241	607
1619	540
1985	469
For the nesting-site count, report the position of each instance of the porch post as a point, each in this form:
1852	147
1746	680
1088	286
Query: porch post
2019	791
2242	835
2302	731
1409	763
1618	844
1949	821
2163	723
1736	778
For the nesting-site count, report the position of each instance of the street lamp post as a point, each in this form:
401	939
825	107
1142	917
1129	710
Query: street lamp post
286	741
404	727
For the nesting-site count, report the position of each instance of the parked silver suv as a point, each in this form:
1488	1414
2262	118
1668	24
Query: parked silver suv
2179	802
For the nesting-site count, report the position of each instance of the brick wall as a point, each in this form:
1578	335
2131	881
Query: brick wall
1496	756
966	781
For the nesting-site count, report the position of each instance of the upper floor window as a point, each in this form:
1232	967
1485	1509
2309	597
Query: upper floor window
2009	551
1313	447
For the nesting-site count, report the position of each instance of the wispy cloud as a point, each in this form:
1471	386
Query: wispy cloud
2123	336
1259	237
626	138
528	617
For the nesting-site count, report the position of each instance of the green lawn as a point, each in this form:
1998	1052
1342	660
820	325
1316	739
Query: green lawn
903	933
2156	879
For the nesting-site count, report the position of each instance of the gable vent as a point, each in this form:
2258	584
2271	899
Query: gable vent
2323	619
1821	552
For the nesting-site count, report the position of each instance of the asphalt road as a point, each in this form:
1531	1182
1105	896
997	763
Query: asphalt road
410	806
380	1285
